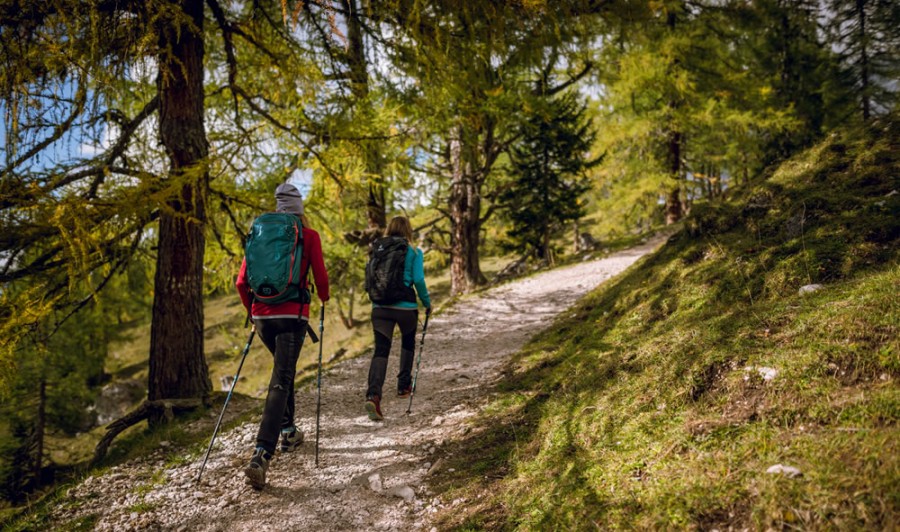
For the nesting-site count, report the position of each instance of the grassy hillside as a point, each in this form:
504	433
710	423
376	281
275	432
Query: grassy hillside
666	396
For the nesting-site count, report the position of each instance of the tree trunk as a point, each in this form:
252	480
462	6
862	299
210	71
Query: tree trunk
863	59
358	64
177	366
39	430
575	230
674	209
465	220
376	214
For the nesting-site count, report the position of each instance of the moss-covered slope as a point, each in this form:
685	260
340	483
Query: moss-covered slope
666	396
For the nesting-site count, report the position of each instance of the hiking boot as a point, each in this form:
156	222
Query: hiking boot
373	407
291	439
404	392
256	469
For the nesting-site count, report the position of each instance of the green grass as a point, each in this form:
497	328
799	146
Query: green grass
645	406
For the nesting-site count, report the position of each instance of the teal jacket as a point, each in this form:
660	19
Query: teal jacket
413	275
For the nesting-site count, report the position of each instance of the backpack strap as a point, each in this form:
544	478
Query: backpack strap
250	310
312	333
309	330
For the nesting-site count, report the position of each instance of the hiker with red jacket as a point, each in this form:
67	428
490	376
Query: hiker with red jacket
282	326
395	275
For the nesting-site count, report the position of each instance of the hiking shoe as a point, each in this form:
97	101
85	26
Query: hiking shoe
404	392
373	407
256	469
291	439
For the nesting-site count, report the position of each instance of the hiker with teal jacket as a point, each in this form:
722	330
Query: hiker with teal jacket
395	274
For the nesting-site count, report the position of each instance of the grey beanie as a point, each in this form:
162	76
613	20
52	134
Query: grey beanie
288	199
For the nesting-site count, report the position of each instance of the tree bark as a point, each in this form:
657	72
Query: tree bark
376	211
39	431
576	247
674	209
465	220
177	365
863	59
376	215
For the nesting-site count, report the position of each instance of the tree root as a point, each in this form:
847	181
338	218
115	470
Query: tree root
159	409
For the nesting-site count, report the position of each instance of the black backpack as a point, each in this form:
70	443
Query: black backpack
384	272
273	254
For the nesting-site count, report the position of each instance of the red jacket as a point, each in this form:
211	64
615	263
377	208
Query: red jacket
312	259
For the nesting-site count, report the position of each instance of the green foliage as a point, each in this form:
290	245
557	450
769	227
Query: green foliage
801	68
868	35
648	406
722	79
548	161
54	385
301	90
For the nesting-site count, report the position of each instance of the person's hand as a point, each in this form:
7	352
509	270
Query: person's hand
427	311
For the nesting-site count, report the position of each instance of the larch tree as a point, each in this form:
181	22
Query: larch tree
177	364
108	155
73	72
685	103
801	69
469	63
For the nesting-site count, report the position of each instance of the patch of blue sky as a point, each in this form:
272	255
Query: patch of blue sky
27	126
423	188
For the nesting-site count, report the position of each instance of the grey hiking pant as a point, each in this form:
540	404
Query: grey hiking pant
383	322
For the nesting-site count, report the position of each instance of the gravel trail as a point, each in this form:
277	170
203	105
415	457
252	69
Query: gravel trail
372	475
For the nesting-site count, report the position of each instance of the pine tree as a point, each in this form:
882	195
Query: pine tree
548	161
791	52
866	34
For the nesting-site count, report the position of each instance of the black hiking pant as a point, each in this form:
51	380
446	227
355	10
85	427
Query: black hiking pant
284	338
383	322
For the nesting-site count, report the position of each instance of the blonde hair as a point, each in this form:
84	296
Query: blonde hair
399	226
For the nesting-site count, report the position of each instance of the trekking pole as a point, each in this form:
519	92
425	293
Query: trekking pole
319	379
418	361
227	398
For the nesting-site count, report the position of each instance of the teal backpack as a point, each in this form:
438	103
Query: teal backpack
273	252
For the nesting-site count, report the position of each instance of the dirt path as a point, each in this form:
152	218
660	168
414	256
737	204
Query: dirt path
372	476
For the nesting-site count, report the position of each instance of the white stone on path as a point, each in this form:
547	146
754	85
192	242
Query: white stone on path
404	492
